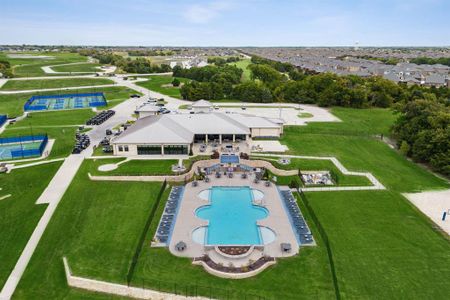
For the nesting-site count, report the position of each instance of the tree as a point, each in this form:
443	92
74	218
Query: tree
176	82
404	148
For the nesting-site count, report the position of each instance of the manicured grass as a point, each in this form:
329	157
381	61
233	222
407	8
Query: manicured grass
382	247
136	167
88	68
18	213
101	224
364	154
32	67
373	121
12	104
243	64
55	118
18	85
305	115
155	83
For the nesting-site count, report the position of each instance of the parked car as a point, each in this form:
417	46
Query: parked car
135	96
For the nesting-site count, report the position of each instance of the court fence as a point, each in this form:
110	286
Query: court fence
3	119
29	106
21	152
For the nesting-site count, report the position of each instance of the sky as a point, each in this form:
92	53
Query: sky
226	23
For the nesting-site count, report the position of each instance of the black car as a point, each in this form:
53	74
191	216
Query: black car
135	96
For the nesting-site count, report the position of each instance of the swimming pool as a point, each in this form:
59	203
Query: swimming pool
229	159
232	218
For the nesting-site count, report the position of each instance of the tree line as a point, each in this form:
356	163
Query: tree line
431	61
422	131
282	82
138	65
5	69
220	61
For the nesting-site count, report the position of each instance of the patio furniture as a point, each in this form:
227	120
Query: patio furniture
286	247
194	183
267	183
180	246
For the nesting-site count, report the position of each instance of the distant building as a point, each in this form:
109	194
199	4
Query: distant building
202	106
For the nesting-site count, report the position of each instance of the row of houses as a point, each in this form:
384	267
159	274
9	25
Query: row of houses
324	61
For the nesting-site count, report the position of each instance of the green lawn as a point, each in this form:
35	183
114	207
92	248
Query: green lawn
18	213
382	246
18	85
156	83
101	224
355	122
243	64
364	154
135	167
88	68
30	67
12	104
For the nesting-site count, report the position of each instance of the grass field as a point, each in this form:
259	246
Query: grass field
243	64
87	212
88	68
382	246
155	83
18	85
19	215
32	67
12	105
135	167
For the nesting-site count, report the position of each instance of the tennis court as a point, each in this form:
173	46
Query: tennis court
66	101
22	147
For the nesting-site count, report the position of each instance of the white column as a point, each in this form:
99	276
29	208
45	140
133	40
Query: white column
234	138
220	139
162	149
206	139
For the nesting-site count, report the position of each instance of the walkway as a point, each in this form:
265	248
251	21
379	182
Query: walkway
51	195
376	185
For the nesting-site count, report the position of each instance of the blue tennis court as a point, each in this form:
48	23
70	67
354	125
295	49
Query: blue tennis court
22	147
66	101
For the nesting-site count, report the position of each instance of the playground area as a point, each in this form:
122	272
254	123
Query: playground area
65	101
22	147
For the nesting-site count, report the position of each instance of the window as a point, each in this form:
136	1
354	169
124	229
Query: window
175	149
149	150
125	148
120	148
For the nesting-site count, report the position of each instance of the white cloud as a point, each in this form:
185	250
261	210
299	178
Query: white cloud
201	14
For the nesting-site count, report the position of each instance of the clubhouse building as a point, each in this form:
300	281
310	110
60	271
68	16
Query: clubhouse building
179	134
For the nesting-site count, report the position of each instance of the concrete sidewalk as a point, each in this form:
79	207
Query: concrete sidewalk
52	195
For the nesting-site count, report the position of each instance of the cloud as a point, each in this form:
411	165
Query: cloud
204	13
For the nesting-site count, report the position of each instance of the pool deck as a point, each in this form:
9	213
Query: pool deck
187	221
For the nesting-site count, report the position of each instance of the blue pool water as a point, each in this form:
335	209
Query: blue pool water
229	159
232	217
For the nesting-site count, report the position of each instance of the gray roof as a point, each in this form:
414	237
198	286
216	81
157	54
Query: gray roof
181	128
202	103
148	108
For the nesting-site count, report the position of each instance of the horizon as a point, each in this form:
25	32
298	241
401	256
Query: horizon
219	23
